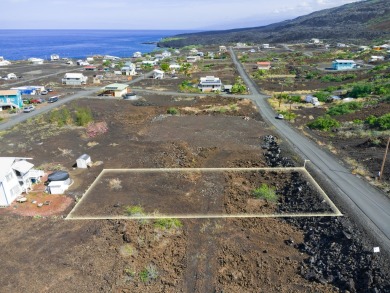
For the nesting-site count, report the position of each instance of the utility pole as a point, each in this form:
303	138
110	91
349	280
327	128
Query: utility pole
384	159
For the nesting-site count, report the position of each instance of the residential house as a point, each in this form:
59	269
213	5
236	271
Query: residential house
339	64
158	74
376	58
137	55
266	65
90	68
364	48
36	61
192	59
149	62
109	57
54	57
265	46
90	59
166	54
82	63
16	177
10	99
29	90
116	90
4	62
128	69
200	54
74	79
315	41
194	51
222	49
11	76
210	84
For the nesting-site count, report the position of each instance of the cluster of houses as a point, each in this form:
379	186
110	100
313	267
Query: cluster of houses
13	98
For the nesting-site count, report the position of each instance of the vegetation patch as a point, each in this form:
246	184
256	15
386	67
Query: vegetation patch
265	192
167	223
173	111
344	108
149	273
324	123
134	211
382	122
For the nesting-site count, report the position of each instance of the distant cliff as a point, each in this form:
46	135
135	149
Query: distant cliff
354	22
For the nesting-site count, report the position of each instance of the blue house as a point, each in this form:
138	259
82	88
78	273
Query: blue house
343	64
10	99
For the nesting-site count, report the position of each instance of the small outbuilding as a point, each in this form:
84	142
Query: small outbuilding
339	64
59	182
116	90
84	161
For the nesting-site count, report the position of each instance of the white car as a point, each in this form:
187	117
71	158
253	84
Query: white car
28	109
279	116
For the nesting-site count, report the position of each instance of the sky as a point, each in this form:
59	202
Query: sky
153	14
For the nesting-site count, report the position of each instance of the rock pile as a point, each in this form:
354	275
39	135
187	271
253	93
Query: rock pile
273	155
337	252
338	256
300	196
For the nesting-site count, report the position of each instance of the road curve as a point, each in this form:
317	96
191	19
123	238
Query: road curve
368	204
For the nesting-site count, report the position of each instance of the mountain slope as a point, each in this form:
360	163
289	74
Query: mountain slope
359	21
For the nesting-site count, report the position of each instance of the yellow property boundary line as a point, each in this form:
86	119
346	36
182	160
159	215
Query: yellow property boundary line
336	211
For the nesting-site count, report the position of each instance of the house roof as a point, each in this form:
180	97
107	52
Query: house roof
9	92
265	63
344	61
116	87
6	165
22	166
74	75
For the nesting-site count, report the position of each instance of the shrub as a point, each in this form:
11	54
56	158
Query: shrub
361	90
167	223
345	108
265	192
149	273
323	123
382	122
115	184
83	116
96	128
172	111
321	96
134	211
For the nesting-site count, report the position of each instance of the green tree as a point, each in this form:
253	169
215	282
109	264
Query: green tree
164	66
280	97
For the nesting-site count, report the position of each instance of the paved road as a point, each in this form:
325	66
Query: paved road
371	206
172	93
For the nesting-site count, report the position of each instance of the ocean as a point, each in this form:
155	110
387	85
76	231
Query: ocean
24	44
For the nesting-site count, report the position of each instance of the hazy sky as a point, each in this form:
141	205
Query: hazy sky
153	14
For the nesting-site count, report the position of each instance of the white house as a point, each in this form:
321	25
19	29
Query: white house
174	67
210	84
36	61
128	69
117	90
376	58
158	74
90	59
16	176
194	51
4	62
11	76
222	49
137	55
315	41
74	79
149	62
265	46
54	57
192	59
166	54
109	57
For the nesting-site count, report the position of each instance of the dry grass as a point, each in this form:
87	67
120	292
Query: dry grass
356	168
65	152
115	184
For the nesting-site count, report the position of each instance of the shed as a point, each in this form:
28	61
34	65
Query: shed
84	161
59	181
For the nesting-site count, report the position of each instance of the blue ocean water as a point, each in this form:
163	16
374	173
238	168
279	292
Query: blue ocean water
23	44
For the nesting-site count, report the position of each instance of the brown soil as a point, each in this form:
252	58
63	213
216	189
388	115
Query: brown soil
54	255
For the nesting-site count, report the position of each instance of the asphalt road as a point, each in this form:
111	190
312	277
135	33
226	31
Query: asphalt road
368	204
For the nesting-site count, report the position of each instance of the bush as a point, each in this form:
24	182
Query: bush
345	108
61	117
83	116
265	192
172	111
167	223
321	96
134	211
382	122
323	123
149	273
361	90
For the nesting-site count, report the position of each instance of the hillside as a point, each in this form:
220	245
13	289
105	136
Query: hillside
359	21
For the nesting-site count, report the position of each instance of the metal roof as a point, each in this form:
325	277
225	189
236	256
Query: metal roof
116	87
